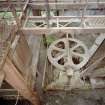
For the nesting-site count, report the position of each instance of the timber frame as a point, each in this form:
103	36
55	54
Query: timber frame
44	28
38	6
9	72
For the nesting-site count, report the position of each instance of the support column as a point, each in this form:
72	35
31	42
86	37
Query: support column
15	79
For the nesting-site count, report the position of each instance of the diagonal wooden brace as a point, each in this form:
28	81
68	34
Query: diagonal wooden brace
15	79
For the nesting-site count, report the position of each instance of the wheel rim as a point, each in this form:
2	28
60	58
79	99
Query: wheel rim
68	52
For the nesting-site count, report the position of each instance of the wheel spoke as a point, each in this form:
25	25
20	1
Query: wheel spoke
59	57
66	44
78	54
58	49
76	46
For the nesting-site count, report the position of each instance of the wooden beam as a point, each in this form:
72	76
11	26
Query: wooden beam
13	10
24	10
40	31
53	5
64	17
2	76
13	76
16	80
65	5
26	4
92	67
4	4
90	19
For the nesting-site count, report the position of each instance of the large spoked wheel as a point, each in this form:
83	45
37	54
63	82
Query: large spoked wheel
68	52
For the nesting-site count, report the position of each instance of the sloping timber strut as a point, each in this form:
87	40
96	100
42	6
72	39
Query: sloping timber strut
15	79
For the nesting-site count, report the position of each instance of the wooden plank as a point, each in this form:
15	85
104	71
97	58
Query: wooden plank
53	5
15	79
53	19
2	76
78	30
21	54
24	10
92	67
96	61
64	17
34	43
64	5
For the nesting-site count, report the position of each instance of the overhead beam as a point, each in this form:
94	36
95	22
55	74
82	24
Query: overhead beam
44	30
40	31
24	11
65	5
52	5
64	17
4	5
26	4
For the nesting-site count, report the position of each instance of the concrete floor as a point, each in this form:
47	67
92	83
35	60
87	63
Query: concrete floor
75	98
